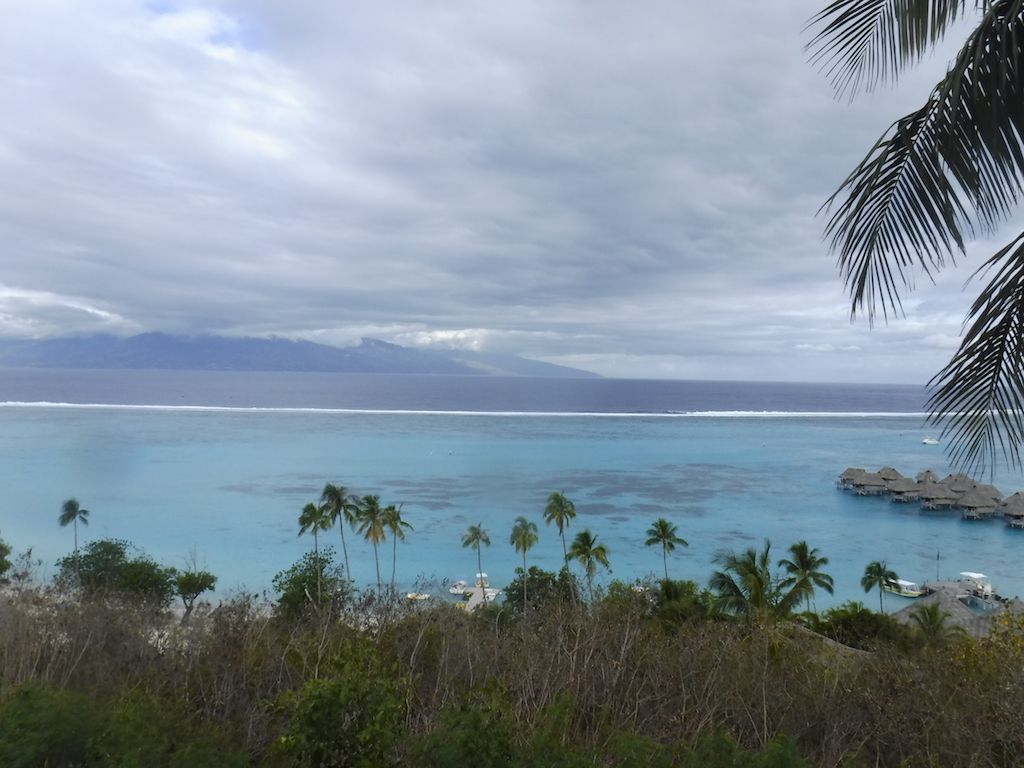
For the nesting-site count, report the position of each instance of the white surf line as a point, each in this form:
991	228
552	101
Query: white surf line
420	412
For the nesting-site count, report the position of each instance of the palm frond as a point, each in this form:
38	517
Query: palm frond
901	211
937	173
979	400
866	42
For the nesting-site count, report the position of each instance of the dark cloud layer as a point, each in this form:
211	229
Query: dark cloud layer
630	189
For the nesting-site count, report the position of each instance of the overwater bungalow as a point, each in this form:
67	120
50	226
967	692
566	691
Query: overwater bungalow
1013	510
904	490
937	496
976	505
927	477
845	481
959	483
869	484
991	491
1015	517
889	474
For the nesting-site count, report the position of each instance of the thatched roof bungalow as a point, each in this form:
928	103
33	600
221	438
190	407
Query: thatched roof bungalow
976	505
959	482
1013	510
869	484
947	597
847	477
927	477
937	496
991	491
889	474
904	490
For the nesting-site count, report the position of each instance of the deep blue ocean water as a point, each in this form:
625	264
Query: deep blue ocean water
220	465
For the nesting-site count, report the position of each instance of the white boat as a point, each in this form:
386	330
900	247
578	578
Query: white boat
977	584
930	441
417	596
459	587
904	588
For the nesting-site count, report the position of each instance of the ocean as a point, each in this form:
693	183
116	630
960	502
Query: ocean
215	467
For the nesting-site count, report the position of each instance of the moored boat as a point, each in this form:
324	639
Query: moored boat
977	584
904	588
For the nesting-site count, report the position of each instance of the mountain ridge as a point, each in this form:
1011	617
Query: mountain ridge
207	352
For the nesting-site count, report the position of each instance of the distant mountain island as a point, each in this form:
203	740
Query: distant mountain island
222	353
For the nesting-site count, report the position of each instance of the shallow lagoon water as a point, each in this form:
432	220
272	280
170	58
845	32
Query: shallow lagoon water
228	482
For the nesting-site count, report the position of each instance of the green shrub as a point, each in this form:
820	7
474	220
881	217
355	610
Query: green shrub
5	562
351	719
104	568
312	582
857	626
41	726
45	727
475	732
543	588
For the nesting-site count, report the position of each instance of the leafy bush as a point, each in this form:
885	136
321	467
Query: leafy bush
41	726
856	625
474	732
543	588
314	581
349	719
104	567
679	601
5	552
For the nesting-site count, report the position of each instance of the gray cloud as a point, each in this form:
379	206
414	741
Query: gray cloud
631	189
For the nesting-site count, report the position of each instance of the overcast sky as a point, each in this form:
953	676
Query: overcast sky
630	188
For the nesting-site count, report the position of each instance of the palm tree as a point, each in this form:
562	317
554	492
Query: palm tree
930	621
314	518
394	523
588	553
664	533
878	575
474	536
746	586
935	177
524	536
560	511
371	521
71	513
342	510
803	569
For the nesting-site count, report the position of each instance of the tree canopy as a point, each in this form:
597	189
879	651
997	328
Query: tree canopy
104	567
746	586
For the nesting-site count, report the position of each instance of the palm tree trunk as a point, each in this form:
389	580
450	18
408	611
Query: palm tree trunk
78	572
664	556
319	567
344	549
376	560
394	560
524	578
480	570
